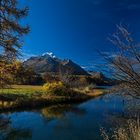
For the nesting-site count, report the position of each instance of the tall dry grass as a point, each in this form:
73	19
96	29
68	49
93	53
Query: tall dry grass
131	131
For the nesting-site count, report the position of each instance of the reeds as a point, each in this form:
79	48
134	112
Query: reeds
131	131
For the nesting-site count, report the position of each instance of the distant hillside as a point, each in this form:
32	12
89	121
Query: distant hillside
101	80
49	63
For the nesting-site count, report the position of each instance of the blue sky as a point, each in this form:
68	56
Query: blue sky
76	29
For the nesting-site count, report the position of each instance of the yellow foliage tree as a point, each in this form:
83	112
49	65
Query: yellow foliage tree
5	74
8	71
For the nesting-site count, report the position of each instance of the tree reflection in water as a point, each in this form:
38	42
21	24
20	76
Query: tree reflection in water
128	113
58	111
7	132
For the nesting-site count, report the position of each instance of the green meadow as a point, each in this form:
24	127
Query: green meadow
25	96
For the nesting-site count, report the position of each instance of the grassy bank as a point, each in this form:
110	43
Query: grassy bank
33	96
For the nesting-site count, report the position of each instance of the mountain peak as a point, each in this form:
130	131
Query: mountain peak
66	61
48	62
49	54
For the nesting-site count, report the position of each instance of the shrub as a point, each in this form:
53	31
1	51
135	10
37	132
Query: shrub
55	88
59	89
54	85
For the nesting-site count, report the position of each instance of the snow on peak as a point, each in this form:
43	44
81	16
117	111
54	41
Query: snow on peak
49	54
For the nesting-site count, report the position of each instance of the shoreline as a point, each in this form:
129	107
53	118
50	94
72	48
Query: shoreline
36	102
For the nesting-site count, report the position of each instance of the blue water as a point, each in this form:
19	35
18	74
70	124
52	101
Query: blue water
63	122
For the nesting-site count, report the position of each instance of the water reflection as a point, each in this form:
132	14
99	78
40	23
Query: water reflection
4	123
7	132
6	104
123	109
65	121
59	111
18	134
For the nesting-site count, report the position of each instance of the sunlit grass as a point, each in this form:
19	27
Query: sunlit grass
22	89
27	95
29	89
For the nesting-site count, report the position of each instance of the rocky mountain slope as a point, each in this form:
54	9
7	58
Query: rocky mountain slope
51	64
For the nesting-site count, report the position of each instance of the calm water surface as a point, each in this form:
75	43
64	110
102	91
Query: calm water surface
62	122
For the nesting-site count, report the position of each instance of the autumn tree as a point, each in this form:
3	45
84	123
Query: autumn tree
11	32
5	74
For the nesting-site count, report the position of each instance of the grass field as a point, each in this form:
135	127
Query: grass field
22	89
31	96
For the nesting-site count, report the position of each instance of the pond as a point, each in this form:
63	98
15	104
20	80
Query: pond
62	122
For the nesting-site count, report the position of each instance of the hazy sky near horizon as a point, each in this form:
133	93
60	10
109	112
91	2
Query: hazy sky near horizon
76	29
